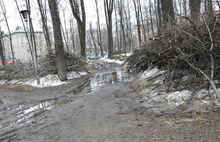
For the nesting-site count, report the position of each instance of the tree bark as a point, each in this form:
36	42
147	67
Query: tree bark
81	22
72	36
137	14
159	16
121	14
1	50
61	68
108	6
116	28
99	29
45	27
195	10
168	12
93	39
5	17
151	18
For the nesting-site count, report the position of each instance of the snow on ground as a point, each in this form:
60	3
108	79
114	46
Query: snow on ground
112	60
53	80
154	90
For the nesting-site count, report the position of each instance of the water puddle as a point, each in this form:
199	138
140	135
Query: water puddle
100	79
23	114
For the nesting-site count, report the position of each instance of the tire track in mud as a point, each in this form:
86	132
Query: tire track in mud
23	116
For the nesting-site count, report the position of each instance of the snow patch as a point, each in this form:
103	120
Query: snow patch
73	74
2	82
154	91
48	81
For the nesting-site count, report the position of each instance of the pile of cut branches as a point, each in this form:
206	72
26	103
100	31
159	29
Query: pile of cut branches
190	51
72	63
48	66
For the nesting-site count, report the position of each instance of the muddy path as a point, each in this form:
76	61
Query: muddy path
100	107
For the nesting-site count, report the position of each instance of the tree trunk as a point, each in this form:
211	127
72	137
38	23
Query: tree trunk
168	12
142	22
108	4
1	50
151	18
93	39
116	28
45	27
61	68
10	39
72	36
99	29
121	7
127	27
81	22
159	16
195	10
137	13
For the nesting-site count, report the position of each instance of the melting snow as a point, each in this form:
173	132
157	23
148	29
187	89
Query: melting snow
155	90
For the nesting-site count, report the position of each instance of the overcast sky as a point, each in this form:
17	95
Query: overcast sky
14	17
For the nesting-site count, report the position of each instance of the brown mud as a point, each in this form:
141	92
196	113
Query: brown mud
100	107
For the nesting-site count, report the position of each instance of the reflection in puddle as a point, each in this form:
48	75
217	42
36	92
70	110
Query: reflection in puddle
83	87
24	114
109	78
100	79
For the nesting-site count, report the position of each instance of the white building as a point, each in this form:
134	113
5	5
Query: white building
21	48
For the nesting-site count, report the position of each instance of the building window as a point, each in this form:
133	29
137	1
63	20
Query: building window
37	51
28	51
22	44
39	36
41	51
21	37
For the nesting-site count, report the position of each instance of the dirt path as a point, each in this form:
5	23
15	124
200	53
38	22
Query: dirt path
102	107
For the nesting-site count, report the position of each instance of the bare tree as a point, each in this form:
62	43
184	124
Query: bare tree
72	36
195	10
159	16
81	22
6	20
128	26
64	30
151	18
93	39
44	22
1	49
168	12
61	68
117	42
121	7
99	29
137	14
108	5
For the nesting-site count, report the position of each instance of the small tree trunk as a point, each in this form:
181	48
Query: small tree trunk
1	50
93	39
99	29
137	13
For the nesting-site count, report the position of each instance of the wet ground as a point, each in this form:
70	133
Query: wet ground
100	107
